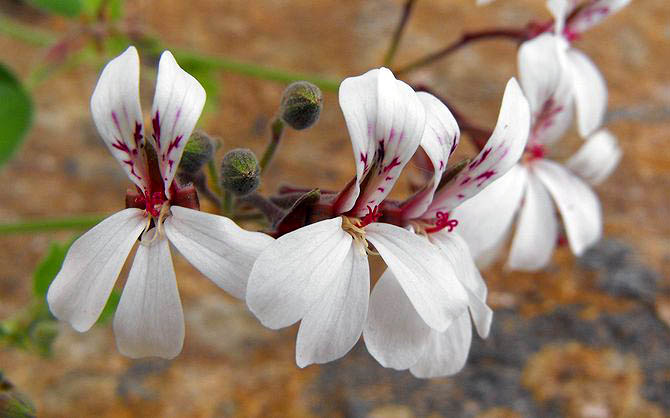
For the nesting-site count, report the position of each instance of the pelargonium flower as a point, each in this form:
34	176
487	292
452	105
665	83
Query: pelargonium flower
319	273
149	320
394	333
528	188
571	19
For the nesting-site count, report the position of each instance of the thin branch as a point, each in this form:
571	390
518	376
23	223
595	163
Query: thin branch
407	11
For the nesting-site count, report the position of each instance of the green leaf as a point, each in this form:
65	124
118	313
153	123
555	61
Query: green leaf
16	111
48	268
68	8
110	307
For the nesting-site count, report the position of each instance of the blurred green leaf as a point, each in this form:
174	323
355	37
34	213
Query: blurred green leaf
16	111
110	307
69	8
113	8
48	268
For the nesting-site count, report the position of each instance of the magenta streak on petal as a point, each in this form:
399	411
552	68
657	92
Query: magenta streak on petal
116	122
121	146
394	163
381	189
174	144
465	180
453	146
176	118
137	135
364	160
388	178
461	196
156	124
132	168
441	165
477	162
484	176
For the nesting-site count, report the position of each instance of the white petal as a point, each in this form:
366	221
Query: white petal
547	87
590	92
537	230
593	13
294	271
331	327
149	320
500	153
597	158
560	9
458	255
484	219
439	141
578	205
427	279
446	352
80	290
216	246
178	103
115	105
395	335
386	121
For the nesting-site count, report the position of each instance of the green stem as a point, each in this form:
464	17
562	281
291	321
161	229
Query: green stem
407	10
227	203
45	225
277	130
25	33
249	69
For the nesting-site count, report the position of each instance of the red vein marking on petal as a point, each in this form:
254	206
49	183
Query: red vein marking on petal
174	144
137	135
156	124
453	145
364	160
388	178
121	146
484	176
477	162
394	163
465	180
441	165
381	189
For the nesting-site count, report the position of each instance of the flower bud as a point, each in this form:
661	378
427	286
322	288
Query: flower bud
240	172
301	105
198	151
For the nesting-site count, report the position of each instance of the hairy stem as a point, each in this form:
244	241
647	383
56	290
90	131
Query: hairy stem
277	129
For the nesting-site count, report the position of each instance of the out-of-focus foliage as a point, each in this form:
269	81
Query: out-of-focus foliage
14	404
69	8
16	112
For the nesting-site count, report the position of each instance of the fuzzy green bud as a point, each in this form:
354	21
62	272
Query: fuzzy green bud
240	172
198	151
301	105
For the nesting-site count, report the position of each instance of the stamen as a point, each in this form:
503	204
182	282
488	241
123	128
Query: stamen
442	222
162	214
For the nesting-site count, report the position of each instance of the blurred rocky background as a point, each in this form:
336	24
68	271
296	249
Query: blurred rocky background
588	337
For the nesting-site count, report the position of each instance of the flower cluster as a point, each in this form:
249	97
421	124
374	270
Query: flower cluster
313	266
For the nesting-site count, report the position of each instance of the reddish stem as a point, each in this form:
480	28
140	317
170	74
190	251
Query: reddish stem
519	35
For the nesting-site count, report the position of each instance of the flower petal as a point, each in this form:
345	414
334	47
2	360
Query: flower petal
597	158
428	280
178	103
537	231
579	206
115	105
294	271
547	87
80	290
149	320
439	140
446	352
560	9
331	327
500	153
484	219
216	246
593	13
395	335
457	253
590	91
386	121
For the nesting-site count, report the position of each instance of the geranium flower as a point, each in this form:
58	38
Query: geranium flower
319	274
149	320
528	188
394	333
571	19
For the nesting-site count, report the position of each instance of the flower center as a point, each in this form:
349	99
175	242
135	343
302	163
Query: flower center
534	152
354	227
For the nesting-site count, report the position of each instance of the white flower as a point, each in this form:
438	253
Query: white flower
149	320
529	187
319	274
394	333
572	18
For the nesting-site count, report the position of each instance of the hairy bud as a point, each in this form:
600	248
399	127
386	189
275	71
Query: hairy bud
240	172
198	151
301	105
